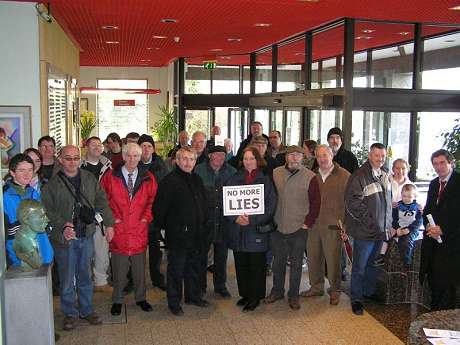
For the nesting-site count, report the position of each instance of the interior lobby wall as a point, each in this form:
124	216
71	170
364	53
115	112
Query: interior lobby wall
19	59
157	78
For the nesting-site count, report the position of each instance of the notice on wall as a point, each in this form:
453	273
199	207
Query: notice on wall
124	102
247	199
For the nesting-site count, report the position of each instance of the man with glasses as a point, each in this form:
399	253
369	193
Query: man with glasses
98	164
47	148
70	198
296	211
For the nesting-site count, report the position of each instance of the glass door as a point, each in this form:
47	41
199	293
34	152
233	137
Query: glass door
293	126
197	120
238	126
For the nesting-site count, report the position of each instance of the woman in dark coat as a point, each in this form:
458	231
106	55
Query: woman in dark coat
248	245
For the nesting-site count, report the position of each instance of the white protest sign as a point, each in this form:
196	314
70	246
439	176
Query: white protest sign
246	199
219	140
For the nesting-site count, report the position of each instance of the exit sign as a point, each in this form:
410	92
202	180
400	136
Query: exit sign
209	64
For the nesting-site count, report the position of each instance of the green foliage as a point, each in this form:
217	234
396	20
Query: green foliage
452	142
87	124
361	152
165	129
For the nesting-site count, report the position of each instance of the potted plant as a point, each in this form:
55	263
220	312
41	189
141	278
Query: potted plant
165	130
452	142
87	124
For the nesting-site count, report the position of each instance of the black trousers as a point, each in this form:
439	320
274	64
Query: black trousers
250	275
220	266
182	276
155	257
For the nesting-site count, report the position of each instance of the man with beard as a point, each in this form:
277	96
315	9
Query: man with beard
346	159
297	209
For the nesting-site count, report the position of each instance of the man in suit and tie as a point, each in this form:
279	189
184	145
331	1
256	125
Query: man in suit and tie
441	242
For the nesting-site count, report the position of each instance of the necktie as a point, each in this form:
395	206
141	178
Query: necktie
441	189
130	185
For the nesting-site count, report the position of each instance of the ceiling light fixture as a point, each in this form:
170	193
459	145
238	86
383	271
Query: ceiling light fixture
300	54
404	33
159	37
363	37
169	20
455	8
146	60
112	42
262	25
234	39
368	31
109	27
215	50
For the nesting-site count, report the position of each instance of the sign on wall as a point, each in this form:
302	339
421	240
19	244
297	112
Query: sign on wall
247	199
124	102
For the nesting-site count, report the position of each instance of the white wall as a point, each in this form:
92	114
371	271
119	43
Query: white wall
20	60
157	78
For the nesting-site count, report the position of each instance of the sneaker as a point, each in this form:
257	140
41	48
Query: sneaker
379	261
272	298
93	319
311	293
294	303
357	308
103	288
69	323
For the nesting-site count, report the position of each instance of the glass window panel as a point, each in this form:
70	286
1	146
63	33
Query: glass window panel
392	67
359	70
315	82
327	121
314	132
277	121
197	80
221	120
246	80
262	115
264	72
238	127
290	63
431	126
329	74
441	62
122	119
398	137
293	127
225	80
197	120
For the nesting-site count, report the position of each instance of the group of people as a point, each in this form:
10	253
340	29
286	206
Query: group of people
106	208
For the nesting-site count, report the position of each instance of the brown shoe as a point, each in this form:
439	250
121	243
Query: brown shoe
93	319
103	288
311	293
335	298
272	298
294	303
69	323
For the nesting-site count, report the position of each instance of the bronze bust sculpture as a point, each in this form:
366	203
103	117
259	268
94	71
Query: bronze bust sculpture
32	217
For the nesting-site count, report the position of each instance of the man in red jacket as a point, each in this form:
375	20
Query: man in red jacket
130	191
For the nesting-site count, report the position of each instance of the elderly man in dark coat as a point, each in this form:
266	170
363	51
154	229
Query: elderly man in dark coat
180	209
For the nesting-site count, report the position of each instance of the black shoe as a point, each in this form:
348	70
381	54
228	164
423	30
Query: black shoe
242	301
223	293
250	306
176	310
145	306
160	285
357	308
374	298
199	303
116	309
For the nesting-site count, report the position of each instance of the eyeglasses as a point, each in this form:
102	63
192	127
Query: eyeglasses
69	159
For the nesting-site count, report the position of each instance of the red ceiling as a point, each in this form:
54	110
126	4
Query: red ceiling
204	25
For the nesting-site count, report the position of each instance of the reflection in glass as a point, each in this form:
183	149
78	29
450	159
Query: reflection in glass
293	127
262	115
197	120
264	72
225	80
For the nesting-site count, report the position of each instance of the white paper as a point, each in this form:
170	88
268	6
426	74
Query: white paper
245	199
441	333
444	341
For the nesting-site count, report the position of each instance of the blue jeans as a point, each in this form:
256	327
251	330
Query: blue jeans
363	272
74	267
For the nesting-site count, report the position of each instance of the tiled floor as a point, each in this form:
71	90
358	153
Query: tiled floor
223	323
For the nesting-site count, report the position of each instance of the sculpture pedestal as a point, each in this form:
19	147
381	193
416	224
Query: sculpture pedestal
29	317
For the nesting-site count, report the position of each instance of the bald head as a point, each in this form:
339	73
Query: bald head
70	160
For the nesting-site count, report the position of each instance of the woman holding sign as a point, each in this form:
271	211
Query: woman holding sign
251	206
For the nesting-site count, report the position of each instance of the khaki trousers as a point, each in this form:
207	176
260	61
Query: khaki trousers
324	245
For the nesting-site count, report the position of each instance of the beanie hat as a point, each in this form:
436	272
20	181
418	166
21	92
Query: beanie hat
336	131
144	138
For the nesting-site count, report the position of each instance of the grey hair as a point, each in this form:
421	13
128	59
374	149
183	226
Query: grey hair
323	146
130	146
198	133
184	149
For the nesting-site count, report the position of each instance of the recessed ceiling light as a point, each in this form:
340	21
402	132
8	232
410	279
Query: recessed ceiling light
262	25
215	50
225	57
314	1
109	27
404	33
234	39
368	31
145	60
300	54
159	37
169	20
112	42
455	8
363	37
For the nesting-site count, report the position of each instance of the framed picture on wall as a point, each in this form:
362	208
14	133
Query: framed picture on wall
15	132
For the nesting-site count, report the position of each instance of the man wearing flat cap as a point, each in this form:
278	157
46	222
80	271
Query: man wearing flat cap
298	207
346	159
153	163
214	173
